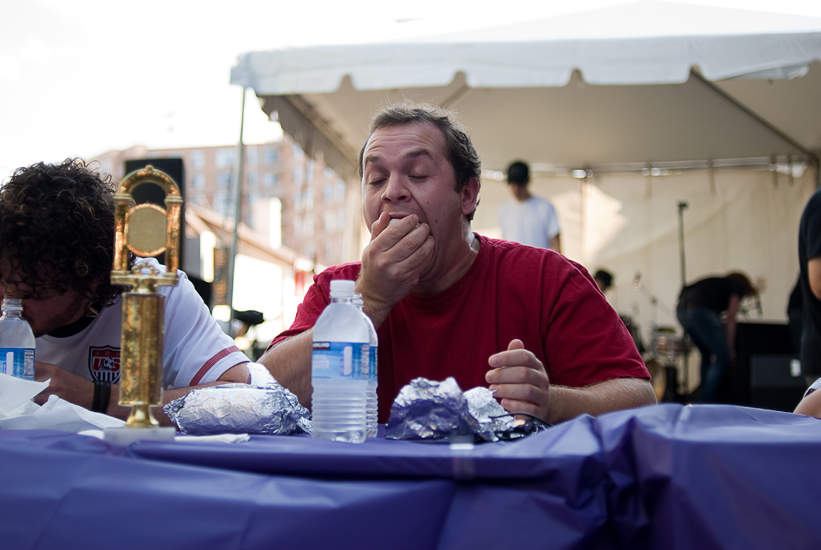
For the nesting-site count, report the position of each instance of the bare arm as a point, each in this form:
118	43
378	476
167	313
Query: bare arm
522	384
556	243
76	389
290	363
810	405
814	275
608	396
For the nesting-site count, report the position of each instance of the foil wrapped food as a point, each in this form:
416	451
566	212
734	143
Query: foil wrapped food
426	409
262	408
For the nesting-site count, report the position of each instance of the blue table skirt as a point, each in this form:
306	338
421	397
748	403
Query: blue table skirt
659	477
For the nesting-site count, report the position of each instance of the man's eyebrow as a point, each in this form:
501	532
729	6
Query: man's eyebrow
375	157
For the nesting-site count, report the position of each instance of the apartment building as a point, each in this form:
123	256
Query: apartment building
295	200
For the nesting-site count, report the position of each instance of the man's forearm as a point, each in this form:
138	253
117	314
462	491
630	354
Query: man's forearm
612	395
290	363
238	373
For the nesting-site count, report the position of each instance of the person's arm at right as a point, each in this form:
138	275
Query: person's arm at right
289	361
814	275
810	405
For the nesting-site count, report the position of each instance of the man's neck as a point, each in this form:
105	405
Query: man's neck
462	259
521	193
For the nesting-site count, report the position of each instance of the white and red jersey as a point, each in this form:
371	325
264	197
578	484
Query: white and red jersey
195	349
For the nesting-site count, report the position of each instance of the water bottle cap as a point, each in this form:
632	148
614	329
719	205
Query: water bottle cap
342	287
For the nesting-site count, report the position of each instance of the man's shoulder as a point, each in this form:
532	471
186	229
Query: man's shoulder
348	271
510	251
339	271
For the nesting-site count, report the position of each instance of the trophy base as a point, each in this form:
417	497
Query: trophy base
127	436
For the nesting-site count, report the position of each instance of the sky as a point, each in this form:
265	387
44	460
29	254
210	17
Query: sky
81	77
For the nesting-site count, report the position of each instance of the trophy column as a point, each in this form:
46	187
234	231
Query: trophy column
144	230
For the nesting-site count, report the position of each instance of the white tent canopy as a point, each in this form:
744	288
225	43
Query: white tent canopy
648	82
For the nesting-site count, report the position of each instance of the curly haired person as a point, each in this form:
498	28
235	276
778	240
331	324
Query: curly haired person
56	254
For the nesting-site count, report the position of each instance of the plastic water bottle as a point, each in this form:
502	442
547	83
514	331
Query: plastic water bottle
339	368
16	341
372	409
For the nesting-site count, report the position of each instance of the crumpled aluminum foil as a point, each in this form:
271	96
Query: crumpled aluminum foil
239	408
425	409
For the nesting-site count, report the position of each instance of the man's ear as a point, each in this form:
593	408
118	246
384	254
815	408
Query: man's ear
470	195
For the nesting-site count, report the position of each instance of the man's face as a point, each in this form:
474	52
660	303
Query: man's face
47	313
406	171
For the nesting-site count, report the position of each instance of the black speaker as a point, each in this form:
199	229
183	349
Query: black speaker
751	339
776	382
155	195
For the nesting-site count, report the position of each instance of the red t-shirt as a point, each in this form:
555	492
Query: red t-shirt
511	291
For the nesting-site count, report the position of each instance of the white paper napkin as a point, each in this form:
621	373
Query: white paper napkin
19	412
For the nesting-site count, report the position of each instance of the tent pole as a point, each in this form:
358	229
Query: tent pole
752	114
237	209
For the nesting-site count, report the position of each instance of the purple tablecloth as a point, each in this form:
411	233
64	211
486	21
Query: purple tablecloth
658	477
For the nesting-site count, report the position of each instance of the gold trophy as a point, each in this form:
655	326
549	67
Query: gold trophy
144	230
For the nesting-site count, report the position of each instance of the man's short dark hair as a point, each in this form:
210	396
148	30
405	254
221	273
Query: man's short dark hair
518	173
605	277
459	149
57	231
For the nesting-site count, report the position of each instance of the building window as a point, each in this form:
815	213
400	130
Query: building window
328	193
270	180
271	156
297	227
297	150
225	158
224	179
310	250
251	156
330	221
299	175
197	159
308	227
198	181
221	202
309	199
340	190
252	178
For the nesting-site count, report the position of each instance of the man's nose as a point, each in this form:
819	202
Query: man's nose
396	189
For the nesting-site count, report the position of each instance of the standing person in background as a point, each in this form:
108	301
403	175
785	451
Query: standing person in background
700	306
527	219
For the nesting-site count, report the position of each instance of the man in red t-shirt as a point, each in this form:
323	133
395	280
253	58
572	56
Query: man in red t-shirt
526	322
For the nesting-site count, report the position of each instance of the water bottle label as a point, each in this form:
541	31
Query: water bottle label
340	361
373	364
17	362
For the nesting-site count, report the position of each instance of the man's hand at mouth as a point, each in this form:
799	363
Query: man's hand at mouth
399	253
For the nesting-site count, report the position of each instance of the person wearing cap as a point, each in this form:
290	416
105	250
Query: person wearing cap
525	322
525	218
